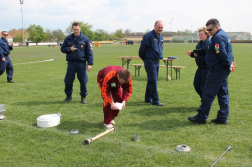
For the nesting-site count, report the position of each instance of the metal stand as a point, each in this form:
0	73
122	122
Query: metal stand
168	63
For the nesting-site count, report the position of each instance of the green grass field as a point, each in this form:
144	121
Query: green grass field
40	90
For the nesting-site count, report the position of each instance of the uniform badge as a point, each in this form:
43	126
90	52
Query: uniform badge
217	47
91	46
113	85
81	46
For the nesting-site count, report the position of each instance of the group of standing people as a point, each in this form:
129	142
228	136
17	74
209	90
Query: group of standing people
211	77
214	67
129	42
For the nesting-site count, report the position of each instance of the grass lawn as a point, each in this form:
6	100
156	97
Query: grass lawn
40	90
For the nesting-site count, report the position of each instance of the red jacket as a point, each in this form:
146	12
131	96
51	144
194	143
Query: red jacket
106	77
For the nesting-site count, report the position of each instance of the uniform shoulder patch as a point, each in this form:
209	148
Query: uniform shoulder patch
217	47
91	46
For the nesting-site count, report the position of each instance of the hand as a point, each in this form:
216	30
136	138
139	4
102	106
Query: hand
3	59
189	53
233	67
73	48
124	103
89	67
195	54
113	106
11	44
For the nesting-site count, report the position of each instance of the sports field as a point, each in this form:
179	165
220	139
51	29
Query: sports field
40	90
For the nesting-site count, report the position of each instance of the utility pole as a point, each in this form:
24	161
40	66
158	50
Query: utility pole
21	2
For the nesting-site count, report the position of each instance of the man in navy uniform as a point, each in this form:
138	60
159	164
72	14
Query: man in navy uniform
5	61
150	52
220	59
78	51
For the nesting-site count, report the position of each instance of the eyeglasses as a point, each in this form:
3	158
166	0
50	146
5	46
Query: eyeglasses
210	29
5	34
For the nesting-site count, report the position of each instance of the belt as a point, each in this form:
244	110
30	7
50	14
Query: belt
6	55
153	59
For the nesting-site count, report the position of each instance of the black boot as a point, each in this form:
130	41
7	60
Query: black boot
10	81
68	98
83	100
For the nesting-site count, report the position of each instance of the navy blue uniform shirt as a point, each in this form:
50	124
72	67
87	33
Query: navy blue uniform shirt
84	49
201	59
5	47
151	46
1	51
220	50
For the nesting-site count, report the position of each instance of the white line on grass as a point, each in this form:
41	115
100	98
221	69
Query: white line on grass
36	61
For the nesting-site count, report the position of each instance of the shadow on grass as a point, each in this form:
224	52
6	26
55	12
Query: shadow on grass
158	110
162	125
164	111
250	152
31	103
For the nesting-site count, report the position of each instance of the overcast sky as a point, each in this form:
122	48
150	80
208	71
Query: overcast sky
136	15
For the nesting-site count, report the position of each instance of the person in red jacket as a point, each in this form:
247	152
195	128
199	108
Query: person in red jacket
111	80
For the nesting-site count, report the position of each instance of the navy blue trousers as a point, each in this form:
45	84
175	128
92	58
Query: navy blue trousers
6	65
216	84
152	70
80	69
199	80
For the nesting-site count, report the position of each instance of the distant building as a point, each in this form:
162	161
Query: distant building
138	36
15	32
239	35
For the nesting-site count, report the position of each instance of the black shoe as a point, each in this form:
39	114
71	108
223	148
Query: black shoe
218	122
83	100
68	98
10	81
196	120
159	104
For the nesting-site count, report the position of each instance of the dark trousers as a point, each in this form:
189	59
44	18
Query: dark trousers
80	69
199	80
110	114
216	84
6	65
152	70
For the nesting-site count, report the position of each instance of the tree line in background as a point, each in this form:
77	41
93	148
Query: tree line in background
36	33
